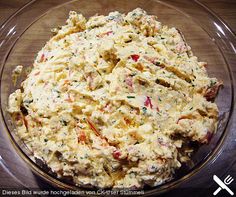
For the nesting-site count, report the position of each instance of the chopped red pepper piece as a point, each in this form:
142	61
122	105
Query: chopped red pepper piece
42	58
81	137
209	135
66	82
69	99
148	102
116	154
153	60
135	57
108	33
211	92
127	121
37	73
93	127
105	34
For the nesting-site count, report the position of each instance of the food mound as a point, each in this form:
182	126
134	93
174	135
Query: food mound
115	101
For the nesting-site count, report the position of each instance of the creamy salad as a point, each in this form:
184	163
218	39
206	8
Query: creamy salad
114	101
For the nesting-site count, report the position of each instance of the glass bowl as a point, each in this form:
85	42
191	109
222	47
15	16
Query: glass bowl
26	32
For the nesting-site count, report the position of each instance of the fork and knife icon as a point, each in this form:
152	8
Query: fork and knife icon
223	185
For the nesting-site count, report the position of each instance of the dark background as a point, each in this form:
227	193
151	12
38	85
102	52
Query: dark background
226	9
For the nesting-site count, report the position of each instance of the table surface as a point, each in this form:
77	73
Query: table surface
226	9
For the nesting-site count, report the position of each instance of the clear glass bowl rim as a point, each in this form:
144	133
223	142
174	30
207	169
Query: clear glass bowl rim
161	188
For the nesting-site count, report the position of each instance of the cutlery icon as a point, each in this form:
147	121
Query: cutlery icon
222	185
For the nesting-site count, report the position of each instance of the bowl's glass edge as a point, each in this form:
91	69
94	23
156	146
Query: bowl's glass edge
7	45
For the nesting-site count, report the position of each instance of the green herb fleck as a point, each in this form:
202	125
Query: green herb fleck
212	83
144	110
27	102
63	122
130	97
